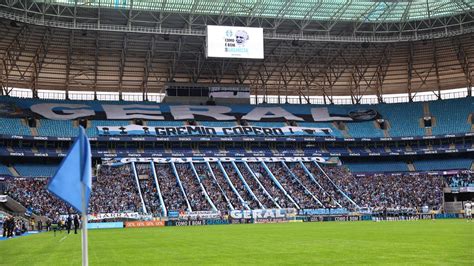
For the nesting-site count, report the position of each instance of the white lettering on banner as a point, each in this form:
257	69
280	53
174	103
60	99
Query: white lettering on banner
201	214
109	161
322	115
269	113
219	131
125	215
132	111
182	112
69	111
262	214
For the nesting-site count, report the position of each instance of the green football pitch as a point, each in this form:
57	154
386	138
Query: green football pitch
440	242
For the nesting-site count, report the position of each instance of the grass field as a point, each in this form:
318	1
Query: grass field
441	242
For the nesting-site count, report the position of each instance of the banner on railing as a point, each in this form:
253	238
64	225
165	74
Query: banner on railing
200	214
74	110
105	216
262	213
120	161
144	224
337	211
213	131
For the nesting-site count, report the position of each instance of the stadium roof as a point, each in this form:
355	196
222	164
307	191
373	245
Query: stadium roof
344	10
336	48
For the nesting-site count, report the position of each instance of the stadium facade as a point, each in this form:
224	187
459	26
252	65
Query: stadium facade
188	151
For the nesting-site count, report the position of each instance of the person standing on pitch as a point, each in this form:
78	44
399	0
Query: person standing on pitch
76	223
468	210
69	224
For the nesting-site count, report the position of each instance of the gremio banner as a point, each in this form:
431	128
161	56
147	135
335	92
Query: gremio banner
213	131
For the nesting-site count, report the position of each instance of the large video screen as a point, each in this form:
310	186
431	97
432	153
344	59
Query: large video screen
234	42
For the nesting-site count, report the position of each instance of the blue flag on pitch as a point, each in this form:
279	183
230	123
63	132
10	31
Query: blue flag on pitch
74	173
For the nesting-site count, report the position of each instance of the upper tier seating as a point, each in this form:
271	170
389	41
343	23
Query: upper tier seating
389	166
451	116
35	170
403	118
157	123
4	170
217	123
439	164
57	128
13	126
268	124
364	129
449	121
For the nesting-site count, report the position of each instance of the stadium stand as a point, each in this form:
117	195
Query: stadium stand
442	164
403	118
385	166
35	170
364	129
4	170
56	128
449	121
13	126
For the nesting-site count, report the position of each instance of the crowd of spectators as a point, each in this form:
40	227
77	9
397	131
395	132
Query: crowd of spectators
387	191
313	187
32	193
212	187
460	180
257	189
333	197
271	187
170	190
194	192
149	190
115	190
293	186
240	187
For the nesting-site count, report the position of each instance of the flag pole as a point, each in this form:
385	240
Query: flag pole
85	257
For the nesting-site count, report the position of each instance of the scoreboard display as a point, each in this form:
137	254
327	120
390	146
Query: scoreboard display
234	42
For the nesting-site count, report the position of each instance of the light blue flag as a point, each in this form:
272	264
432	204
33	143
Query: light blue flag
74	171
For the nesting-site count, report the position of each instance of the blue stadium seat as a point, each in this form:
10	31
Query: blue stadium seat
364	129
268	124
404	118
442	164
157	123
13	126
57	128
388	166
449	121
4	170
35	170
217	124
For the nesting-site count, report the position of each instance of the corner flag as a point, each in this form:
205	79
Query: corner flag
74	173
73	182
